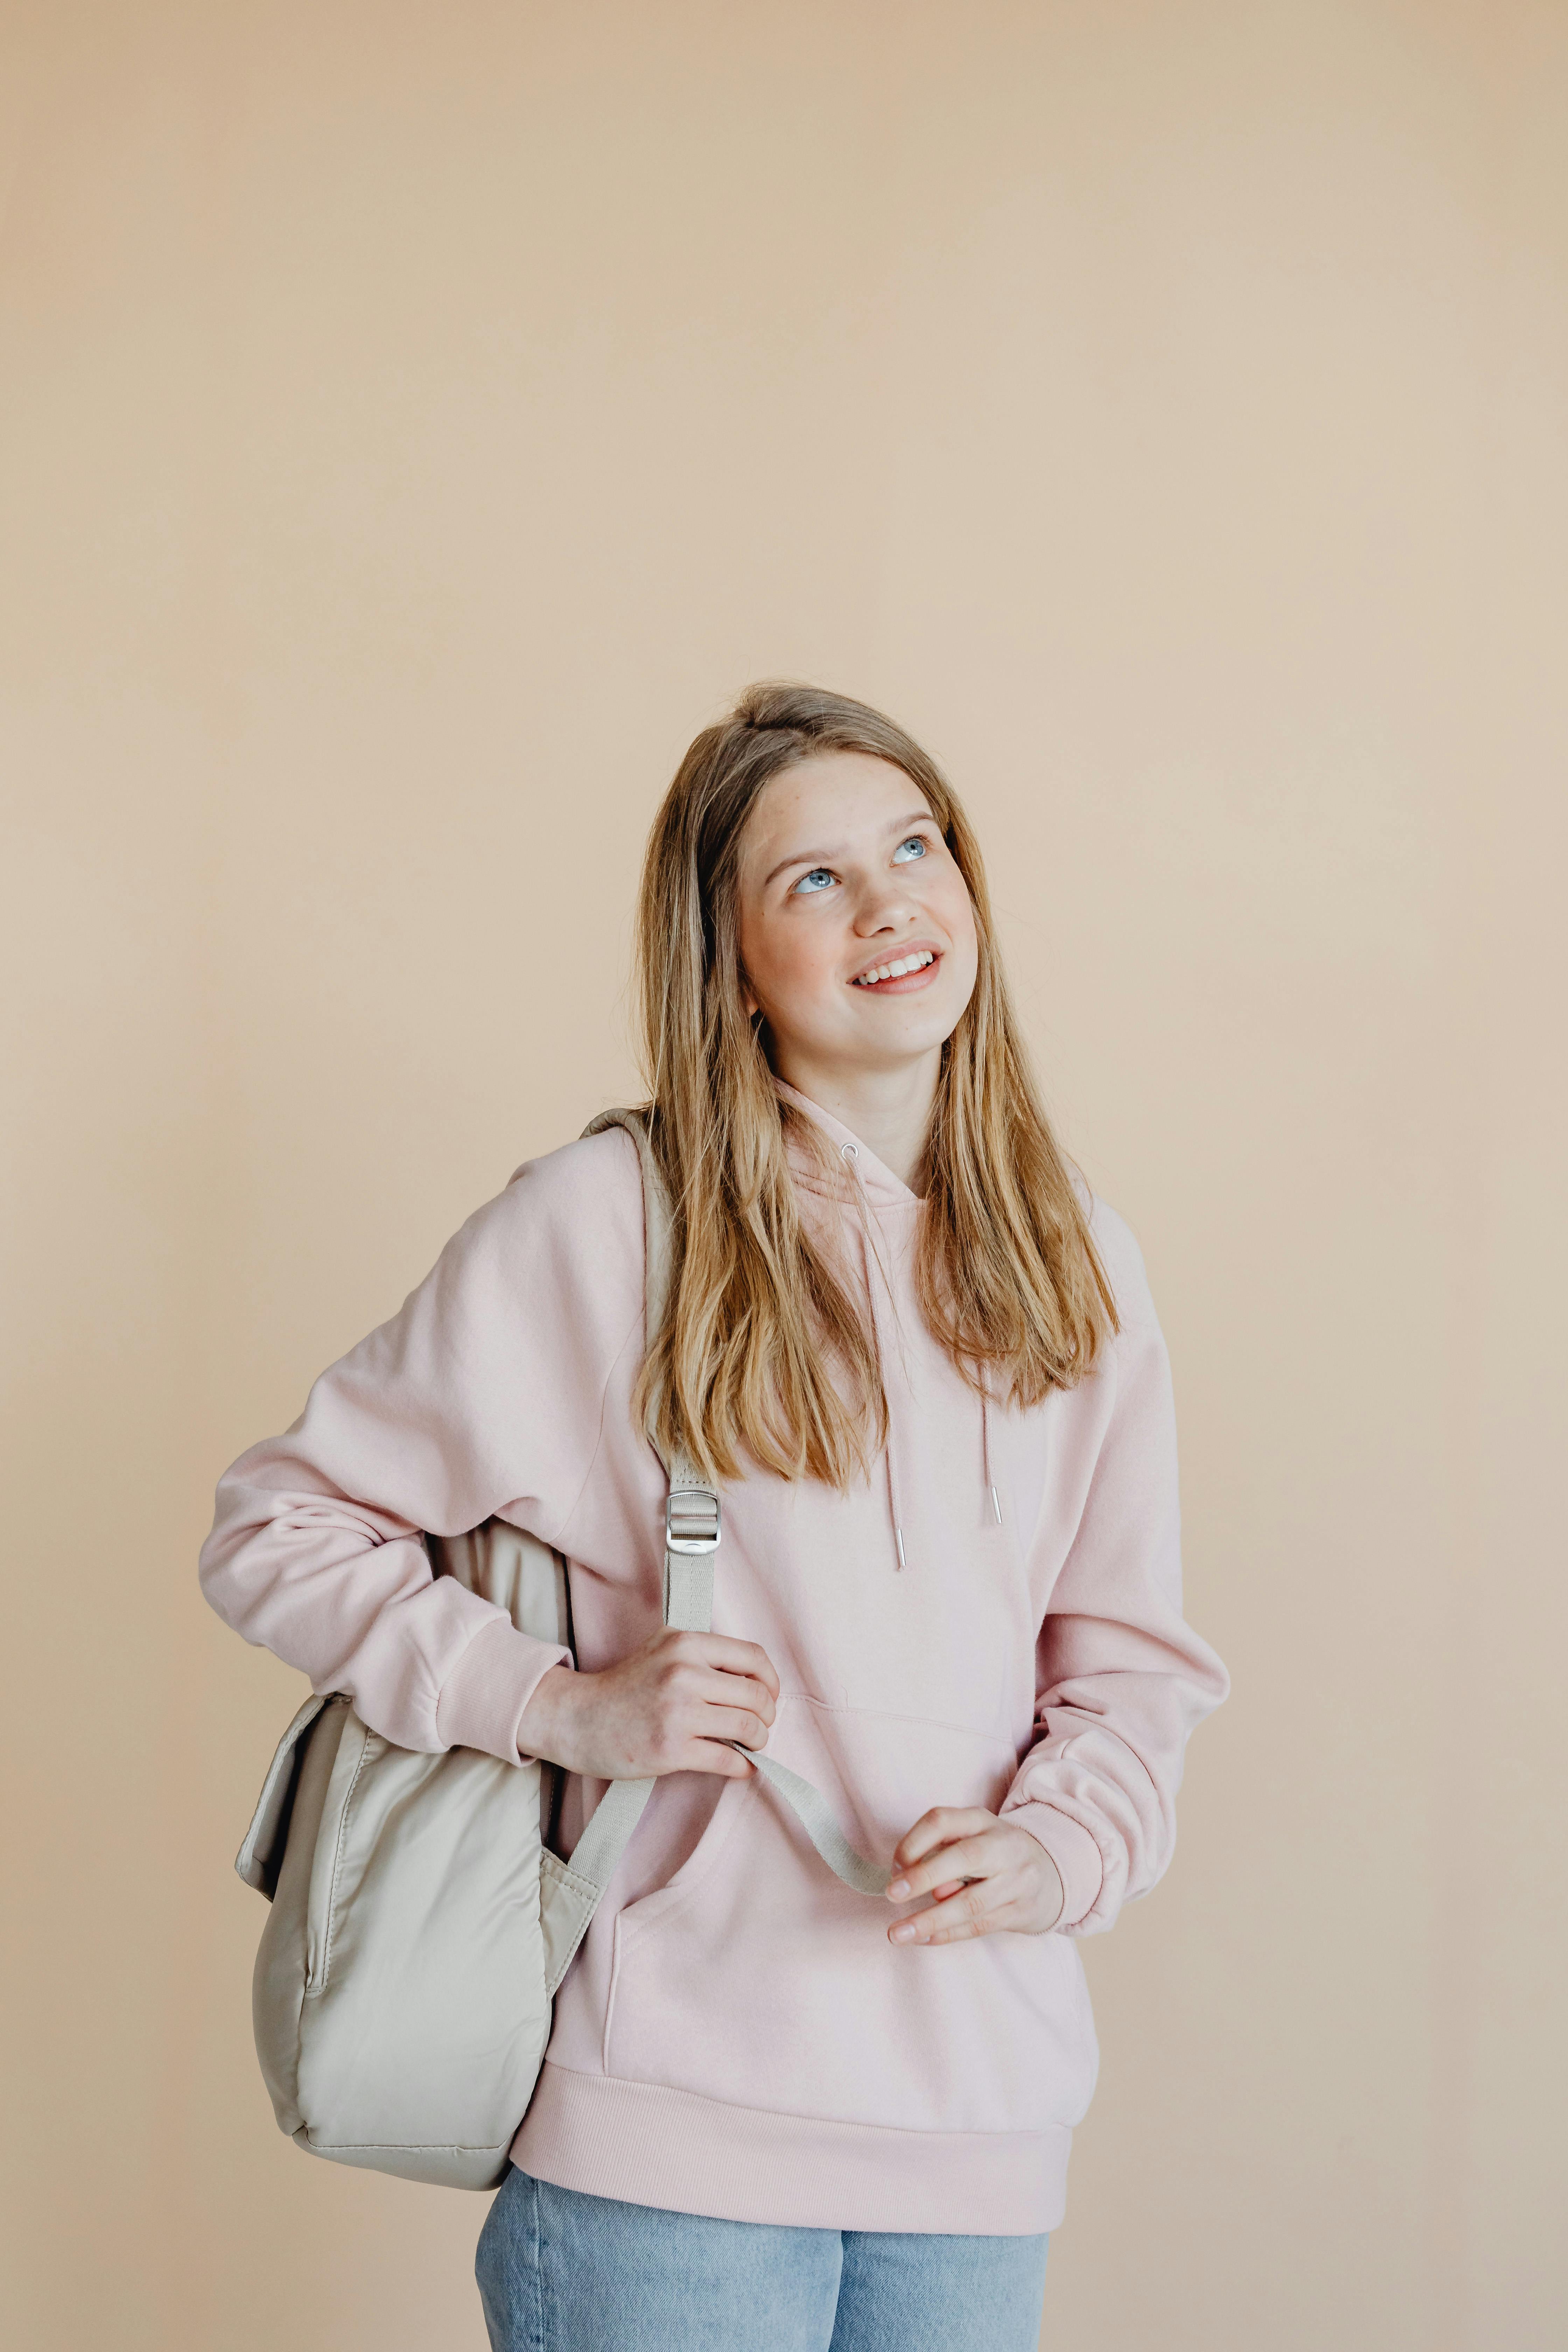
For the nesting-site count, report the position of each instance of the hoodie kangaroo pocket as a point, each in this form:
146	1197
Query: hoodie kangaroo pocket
756	1978
646	1911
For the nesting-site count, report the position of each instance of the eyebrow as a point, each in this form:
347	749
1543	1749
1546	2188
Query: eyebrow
810	857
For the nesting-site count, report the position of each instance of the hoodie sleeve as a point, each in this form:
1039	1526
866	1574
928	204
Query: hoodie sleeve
1121	1681
483	1394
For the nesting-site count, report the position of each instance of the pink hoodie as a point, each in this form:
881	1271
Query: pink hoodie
994	1619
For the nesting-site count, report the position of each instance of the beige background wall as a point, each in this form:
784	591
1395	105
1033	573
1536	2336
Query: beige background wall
414	424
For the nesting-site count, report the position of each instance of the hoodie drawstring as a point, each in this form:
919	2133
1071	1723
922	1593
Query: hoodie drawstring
895	1513
990	1482
849	1153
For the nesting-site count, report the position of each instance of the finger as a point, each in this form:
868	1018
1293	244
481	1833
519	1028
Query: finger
973	1911
710	1756
971	1857
716	1689
729	1656
940	1827
733	1723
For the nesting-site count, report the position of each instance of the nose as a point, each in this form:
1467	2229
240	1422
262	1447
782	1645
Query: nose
884	904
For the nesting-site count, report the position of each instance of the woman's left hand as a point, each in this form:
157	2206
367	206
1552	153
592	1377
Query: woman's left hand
982	1874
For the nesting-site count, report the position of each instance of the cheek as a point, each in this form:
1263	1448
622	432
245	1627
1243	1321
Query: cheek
957	912
789	970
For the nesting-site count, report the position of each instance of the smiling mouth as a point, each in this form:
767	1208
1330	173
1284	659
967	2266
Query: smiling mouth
886	977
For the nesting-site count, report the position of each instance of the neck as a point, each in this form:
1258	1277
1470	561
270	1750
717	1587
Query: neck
890	1110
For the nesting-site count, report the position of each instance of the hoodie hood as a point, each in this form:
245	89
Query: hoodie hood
865	1174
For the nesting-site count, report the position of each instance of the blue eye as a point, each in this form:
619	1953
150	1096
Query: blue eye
915	846
817	880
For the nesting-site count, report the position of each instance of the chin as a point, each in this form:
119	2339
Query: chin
926	1036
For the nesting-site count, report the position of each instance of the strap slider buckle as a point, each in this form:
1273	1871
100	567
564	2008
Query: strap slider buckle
691	1520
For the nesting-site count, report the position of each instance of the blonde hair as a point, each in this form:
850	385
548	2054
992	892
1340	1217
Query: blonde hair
762	1353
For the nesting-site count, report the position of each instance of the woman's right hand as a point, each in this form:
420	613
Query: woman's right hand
669	1707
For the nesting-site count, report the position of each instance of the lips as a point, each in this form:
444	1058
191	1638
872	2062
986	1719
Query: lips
895	974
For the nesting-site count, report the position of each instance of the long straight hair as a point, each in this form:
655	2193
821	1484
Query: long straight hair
764	1352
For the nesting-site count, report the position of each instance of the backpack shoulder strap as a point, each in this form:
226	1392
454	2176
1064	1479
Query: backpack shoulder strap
692	1539
692	1526
691	1519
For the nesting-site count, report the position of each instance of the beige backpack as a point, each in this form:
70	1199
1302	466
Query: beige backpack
420	1924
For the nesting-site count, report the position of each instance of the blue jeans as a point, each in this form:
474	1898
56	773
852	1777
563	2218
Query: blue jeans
560	2272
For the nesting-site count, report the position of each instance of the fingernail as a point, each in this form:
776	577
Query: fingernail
898	1888
904	1932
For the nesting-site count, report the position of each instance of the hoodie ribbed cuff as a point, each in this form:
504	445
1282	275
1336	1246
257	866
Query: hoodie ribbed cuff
1071	1848
482	1700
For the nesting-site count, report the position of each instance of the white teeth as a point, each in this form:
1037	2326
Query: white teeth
897	971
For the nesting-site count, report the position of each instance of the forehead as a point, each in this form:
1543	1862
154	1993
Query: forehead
833	797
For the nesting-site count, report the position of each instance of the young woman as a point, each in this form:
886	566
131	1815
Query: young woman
920	1363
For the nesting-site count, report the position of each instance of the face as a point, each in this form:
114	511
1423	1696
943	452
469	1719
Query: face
858	936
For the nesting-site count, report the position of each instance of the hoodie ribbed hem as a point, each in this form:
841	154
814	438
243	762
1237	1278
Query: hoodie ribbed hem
646	2145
